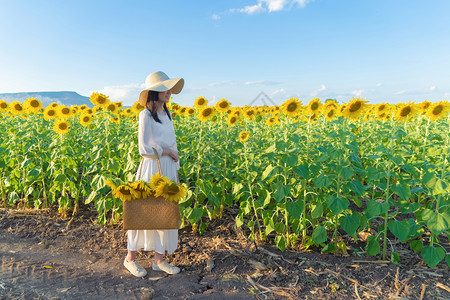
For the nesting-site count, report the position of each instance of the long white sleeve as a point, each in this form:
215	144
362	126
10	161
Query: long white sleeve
146	139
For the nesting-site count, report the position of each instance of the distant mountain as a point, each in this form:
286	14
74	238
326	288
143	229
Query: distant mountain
66	98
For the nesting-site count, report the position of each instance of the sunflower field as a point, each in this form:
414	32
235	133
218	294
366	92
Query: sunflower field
314	174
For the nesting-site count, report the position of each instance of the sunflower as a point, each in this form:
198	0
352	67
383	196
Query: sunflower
88	111
243	136
249	113
423	107
330	113
16	108
112	108
85	119
206	113
4	106
190	111
200	102
118	104
232	120
125	193
50	113
110	184
291	107
183	111
61	126
383	107
330	103
406	112
270	121
115	120
438	110
136	107
32	105
142	188
354	109
83	107
313	106
170	191
99	99
223	105
64	112
156	180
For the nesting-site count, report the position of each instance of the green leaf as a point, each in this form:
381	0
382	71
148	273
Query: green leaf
436	222
432	255
375	209
92	196
319	235
269	225
239	220
279	227
395	258
372	246
295	209
337	205
194	214
317	211
302	171
322	181
267	171
434	184
416	245
402	190
280	241
290	160
281	193
350	223
447	259
346	173
329	248
356	187
400	229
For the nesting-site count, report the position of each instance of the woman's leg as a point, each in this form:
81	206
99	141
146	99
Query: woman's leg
158	258
131	256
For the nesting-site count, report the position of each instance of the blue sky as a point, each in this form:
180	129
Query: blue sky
385	51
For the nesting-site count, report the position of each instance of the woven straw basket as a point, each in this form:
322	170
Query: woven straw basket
151	213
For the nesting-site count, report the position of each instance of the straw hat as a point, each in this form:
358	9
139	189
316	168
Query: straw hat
160	82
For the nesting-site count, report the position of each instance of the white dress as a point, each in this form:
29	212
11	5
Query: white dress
157	135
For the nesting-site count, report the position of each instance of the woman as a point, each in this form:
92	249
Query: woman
156	131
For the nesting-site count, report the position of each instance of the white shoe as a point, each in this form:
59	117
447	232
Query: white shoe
164	266
134	268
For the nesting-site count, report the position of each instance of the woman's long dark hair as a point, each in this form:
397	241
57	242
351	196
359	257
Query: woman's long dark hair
153	98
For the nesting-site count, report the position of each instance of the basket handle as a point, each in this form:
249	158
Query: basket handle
156	156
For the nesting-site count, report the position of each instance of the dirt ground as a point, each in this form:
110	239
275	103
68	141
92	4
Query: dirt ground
43	256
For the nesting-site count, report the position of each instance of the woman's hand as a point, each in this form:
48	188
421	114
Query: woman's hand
169	152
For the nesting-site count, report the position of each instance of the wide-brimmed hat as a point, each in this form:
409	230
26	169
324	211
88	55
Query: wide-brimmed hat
160	82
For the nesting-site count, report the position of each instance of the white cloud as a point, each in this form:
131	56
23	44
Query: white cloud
433	88
250	9
317	92
270	6
261	82
278	93
379	84
400	92
215	17
127	93
358	93
224	82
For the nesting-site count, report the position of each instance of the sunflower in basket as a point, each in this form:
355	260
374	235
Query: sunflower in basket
156	180
126	193
170	191
142	188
